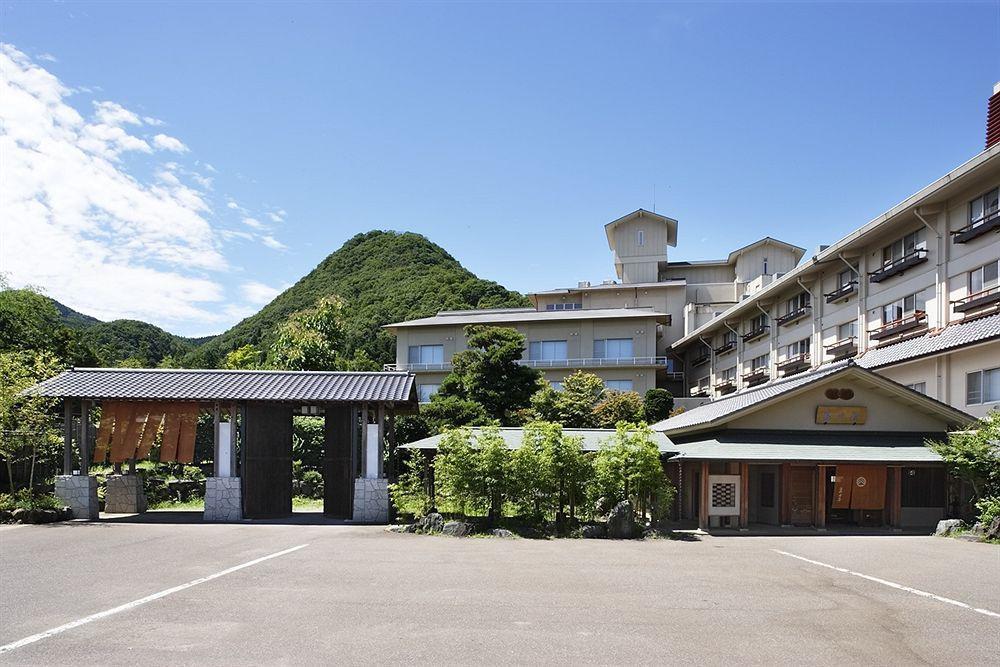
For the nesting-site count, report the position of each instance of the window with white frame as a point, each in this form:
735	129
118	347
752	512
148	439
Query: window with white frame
757	323
900	248
640	238
982	386
618	385
846	277
981	208
799	347
547	350
728	375
919	387
426	354
564	306
613	348
728	337
902	308
985	277
847	330
758	363
425	391
797	303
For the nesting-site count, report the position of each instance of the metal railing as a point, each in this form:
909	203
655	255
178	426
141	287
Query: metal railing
590	362
896	266
842	292
902	325
978	227
793	316
977	300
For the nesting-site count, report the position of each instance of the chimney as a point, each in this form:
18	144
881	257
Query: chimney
993	118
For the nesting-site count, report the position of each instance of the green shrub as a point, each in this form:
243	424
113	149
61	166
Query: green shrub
410	494
313	479
657	405
629	468
989	509
193	473
25	499
618	406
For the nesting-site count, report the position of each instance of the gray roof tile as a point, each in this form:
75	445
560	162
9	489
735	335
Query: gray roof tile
953	336
592	439
223	385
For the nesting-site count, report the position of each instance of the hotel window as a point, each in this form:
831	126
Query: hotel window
758	323
847	330
564	306
618	385
613	348
797	348
899	249
703	382
905	307
547	350
919	387
729	337
797	303
982	387
640	238
426	354
425	391
984	278
983	207
728	374
846	277
758	363
558	386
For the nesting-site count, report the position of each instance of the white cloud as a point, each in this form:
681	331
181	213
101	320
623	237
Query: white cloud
253	222
78	222
272	242
259	293
169	143
48	57
152	122
276	216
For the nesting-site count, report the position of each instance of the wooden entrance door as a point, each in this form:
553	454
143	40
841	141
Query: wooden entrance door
338	463
267	470
800	494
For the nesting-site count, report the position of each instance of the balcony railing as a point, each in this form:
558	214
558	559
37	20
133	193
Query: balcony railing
701	359
593	362
793	316
728	346
725	386
753	378
895	267
795	364
756	333
698	392
907	323
843	292
443	367
845	347
978	300
977	228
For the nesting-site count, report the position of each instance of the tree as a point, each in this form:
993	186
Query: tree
657	405
562	472
444	412
29	322
311	339
479	477
974	455
489	373
618	406
573	407
26	428
629	468
247	357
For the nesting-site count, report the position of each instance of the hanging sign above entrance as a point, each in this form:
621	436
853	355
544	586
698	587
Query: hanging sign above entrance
841	414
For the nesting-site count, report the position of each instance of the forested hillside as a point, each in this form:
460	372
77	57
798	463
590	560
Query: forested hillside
383	277
133	343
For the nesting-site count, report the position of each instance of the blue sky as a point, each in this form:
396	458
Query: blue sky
507	133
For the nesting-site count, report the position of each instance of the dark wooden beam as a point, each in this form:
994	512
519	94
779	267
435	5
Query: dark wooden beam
744	495
703	505
67	437
821	498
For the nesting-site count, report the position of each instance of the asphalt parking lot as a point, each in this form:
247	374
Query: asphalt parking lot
187	593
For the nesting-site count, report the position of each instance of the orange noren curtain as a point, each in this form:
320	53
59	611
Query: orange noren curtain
189	425
149	433
869	488
104	431
171	431
123	424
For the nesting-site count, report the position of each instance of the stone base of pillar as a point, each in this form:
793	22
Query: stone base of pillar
124	495
79	492
223	500
371	500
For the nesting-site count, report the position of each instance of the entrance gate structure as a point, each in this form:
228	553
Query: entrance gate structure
252	435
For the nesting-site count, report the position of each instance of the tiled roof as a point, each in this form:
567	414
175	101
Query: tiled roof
723	407
885	452
593	439
526	315
953	336
221	385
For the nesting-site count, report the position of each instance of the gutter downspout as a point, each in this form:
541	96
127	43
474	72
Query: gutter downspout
939	290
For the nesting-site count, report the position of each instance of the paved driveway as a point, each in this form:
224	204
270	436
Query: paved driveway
127	593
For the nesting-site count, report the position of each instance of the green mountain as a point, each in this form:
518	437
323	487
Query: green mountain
133	342
72	318
384	277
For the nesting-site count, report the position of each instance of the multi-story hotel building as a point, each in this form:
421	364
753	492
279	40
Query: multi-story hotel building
914	295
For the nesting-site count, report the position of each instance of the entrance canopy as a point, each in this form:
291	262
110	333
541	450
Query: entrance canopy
794	447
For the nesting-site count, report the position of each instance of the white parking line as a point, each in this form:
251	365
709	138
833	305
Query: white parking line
141	601
891	584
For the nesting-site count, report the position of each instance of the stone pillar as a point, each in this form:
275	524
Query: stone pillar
80	493
371	500
223	500
124	495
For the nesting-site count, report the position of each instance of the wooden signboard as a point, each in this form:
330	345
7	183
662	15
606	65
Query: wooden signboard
842	486
841	414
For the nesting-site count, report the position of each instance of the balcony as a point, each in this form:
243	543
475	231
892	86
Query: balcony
906	324
702	359
842	292
843	348
756	377
756	333
595	362
698	392
985	224
728	346
796	364
898	266
987	297
793	316
419	368
725	386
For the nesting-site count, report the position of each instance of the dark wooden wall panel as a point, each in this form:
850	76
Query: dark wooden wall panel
338	464
267	472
